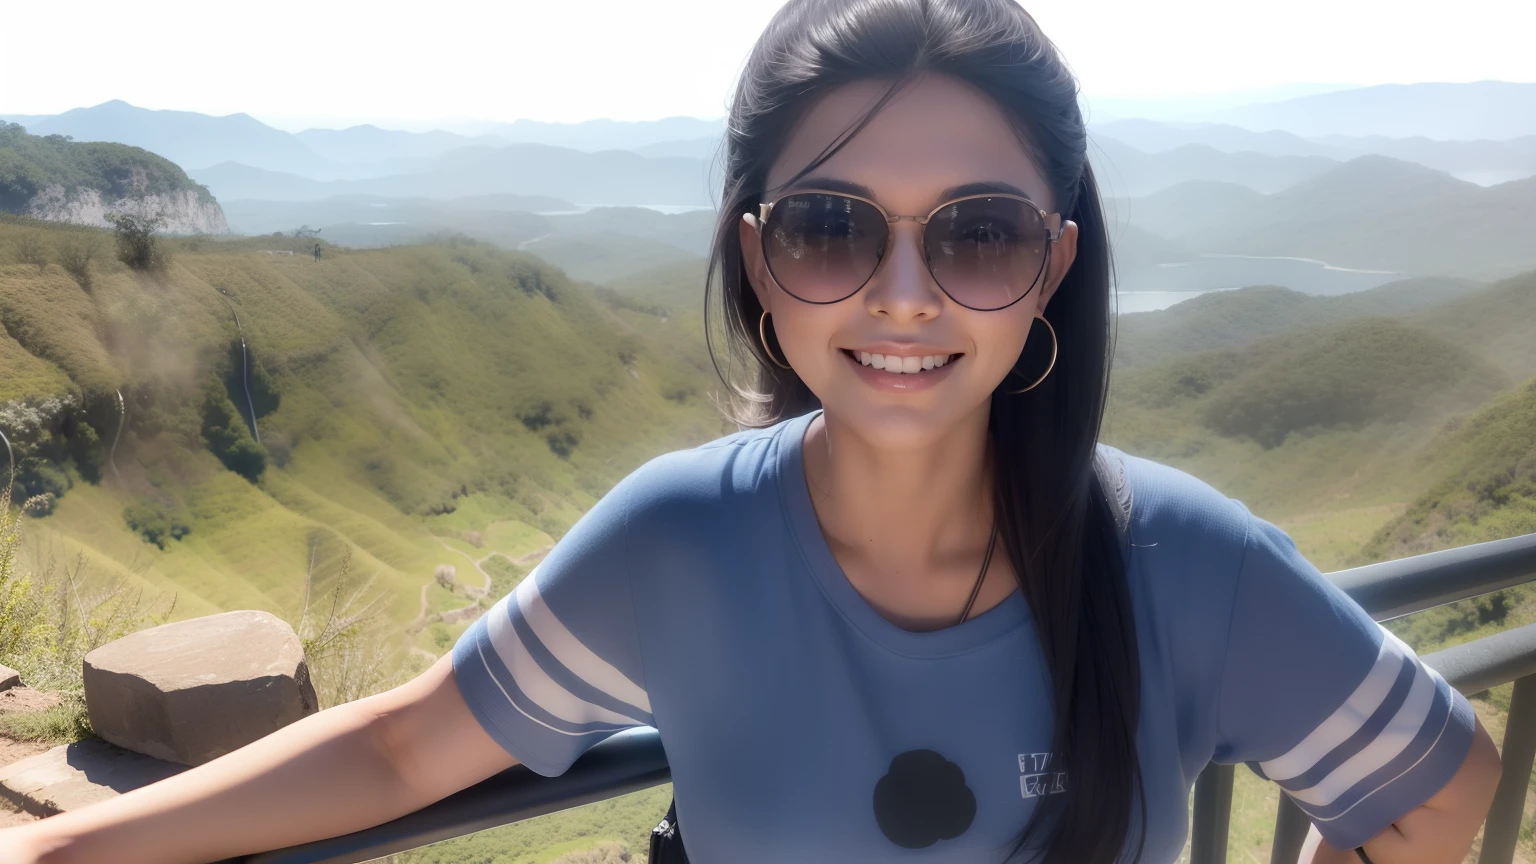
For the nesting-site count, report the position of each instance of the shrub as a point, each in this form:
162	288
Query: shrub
75	255
138	246
154	523
228	439
49	621
30	249
349	644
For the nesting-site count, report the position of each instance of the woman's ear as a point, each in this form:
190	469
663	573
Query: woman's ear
1063	253
752	257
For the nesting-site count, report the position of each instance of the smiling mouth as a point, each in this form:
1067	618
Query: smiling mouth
901	365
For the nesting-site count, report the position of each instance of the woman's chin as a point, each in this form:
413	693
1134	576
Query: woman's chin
900	424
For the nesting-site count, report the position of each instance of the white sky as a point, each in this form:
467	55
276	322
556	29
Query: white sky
337	62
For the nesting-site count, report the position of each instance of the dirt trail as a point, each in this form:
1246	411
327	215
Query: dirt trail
470	610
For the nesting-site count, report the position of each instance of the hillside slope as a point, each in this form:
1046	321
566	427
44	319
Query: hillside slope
414	407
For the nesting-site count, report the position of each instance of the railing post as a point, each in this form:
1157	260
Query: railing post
1213	815
1502	830
1291	827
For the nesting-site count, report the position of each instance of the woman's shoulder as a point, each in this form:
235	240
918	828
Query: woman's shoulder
709	474
1178	522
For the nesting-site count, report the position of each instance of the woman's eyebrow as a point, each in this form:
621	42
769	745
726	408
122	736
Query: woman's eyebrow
981	188
848	187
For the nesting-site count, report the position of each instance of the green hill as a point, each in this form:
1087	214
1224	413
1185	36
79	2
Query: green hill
419	406
1488	490
1224	318
1496	322
29	164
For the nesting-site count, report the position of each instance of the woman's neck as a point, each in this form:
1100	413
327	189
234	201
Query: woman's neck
902	514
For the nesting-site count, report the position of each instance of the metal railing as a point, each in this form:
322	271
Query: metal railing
634	760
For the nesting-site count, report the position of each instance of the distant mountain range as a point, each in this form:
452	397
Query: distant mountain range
195	141
1373	212
609	177
1485	162
1495	110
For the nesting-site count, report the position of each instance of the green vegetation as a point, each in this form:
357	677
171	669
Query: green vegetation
154	524
29	164
392	389
1224	318
137	245
50	618
627	819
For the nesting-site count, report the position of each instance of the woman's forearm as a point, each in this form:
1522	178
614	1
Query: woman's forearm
325	775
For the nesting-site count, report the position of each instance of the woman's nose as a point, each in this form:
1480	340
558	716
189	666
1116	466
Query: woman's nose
903	288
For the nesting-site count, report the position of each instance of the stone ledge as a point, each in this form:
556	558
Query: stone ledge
72	776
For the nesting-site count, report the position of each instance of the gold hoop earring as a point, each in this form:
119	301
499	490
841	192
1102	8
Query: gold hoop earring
1054	346
762	333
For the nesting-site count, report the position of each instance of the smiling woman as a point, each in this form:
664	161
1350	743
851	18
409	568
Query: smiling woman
915	611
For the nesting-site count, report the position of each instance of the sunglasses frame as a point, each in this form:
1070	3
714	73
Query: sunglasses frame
1049	220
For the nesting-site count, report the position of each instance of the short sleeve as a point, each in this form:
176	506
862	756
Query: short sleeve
1328	704
554	667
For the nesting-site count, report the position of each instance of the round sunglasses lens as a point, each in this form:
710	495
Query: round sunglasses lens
986	253
822	248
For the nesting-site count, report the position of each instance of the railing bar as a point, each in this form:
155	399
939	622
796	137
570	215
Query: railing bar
1488	662
1502	830
1392	589
1213	815
627	762
1291	826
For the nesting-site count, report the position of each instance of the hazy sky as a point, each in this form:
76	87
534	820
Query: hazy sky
336	62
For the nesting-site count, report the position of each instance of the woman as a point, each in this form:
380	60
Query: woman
918	613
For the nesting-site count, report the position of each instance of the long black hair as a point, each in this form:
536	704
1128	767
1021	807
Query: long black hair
1056	523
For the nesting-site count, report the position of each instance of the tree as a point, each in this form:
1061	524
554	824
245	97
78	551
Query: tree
137	243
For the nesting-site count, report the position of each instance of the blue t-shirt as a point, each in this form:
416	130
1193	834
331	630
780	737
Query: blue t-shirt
700	597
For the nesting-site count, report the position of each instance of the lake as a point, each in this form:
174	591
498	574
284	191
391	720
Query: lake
1146	289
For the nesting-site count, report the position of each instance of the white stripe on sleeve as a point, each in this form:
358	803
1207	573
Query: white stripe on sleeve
569	650
1347	719
535	683
1404	727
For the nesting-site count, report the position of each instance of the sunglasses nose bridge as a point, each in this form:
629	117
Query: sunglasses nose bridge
903	282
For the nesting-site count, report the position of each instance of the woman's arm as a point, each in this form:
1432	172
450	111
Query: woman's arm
1439	831
343	769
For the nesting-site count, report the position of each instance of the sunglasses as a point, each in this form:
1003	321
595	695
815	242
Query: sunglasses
986	252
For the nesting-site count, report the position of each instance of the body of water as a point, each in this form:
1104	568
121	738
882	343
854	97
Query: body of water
1147	289
668	209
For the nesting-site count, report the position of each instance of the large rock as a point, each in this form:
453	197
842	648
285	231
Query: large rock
194	690
71	776
9	678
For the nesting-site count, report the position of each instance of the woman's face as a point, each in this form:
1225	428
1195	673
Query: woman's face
936	134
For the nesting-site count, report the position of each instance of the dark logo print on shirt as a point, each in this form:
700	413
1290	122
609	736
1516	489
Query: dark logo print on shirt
923	799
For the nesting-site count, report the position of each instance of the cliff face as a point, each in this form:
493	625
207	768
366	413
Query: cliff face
55	178
184	211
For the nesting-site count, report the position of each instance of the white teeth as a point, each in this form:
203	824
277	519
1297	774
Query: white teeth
901	365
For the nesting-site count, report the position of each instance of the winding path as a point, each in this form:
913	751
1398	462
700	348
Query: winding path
470	611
